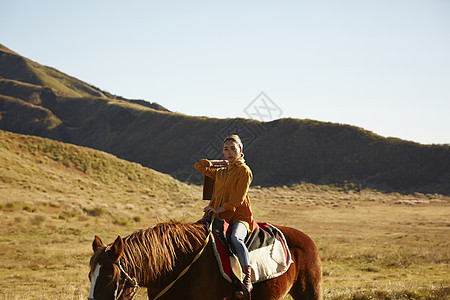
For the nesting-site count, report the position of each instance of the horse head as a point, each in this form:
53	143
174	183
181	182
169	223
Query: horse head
106	271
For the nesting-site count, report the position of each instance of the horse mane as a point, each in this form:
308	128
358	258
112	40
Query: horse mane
152	252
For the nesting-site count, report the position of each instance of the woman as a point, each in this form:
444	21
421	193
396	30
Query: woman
230	199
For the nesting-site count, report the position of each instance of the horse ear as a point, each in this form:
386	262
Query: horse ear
116	251
97	243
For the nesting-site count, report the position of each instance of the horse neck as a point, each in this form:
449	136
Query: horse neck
156	255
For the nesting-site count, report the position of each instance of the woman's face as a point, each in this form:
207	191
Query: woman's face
231	150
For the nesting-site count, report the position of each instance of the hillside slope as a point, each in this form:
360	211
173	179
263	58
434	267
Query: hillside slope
282	152
81	181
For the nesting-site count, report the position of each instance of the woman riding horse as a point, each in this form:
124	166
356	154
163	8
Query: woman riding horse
230	199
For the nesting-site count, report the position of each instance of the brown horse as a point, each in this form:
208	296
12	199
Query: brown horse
153	258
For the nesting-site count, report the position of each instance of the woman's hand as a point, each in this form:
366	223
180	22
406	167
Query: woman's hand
209	210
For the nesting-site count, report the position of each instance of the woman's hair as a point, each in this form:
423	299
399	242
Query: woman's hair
236	138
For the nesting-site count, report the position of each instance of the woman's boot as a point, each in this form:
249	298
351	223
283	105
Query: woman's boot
246	284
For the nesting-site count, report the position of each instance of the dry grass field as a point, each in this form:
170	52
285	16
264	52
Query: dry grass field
55	197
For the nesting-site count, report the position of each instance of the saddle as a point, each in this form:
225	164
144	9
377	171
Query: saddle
267	247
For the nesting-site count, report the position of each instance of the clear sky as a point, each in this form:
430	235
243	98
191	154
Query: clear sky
383	65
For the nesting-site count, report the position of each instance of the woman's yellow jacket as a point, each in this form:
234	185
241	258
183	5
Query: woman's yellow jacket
231	186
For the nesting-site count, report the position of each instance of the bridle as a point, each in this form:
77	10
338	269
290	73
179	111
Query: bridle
128	278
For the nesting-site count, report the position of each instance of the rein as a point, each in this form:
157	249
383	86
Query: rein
189	266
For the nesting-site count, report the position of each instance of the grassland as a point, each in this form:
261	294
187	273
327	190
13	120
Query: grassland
55	197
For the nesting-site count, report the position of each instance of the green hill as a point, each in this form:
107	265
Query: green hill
282	152
38	172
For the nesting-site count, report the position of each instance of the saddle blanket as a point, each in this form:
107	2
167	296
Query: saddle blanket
268	250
